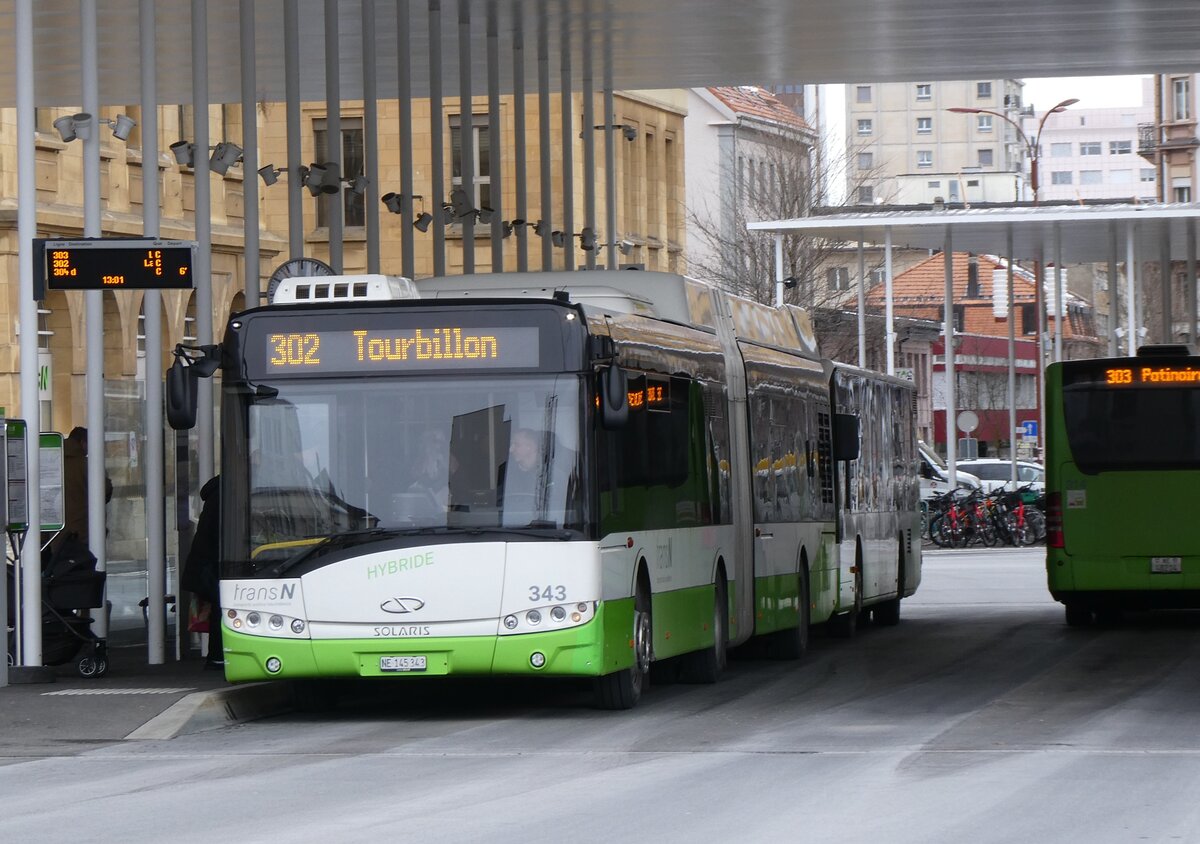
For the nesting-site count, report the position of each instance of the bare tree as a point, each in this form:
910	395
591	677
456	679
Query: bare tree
781	185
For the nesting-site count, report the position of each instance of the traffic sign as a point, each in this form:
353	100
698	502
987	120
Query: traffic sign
1030	429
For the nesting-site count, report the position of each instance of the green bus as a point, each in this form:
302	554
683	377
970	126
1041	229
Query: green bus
1122	469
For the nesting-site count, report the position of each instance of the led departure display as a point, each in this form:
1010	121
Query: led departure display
101	264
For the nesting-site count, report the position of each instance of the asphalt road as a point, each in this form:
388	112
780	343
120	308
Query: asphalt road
981	718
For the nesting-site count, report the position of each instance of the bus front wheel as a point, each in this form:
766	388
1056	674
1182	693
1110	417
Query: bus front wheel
623	689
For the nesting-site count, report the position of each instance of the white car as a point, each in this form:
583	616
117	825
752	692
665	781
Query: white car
995	473
935	477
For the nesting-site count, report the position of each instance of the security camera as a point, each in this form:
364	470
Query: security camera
629	132
122	125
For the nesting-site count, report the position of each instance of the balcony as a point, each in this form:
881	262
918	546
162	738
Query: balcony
1147	140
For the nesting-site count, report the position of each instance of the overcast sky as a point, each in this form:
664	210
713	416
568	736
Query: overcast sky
1092	91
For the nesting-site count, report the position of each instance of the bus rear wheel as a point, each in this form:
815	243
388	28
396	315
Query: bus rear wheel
793	642
706	666
623	689
1078	615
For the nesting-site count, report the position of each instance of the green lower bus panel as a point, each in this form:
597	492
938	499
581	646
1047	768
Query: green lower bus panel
598	647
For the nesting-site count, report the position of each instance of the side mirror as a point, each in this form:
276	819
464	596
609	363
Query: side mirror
181	392
614	397
845	437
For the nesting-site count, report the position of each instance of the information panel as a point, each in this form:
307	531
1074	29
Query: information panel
112	264
18	509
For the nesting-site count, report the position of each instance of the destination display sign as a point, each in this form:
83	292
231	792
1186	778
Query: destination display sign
1152	376
112	264
1174	373
424	349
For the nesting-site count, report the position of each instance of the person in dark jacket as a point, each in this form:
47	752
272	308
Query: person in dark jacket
202	568
75	492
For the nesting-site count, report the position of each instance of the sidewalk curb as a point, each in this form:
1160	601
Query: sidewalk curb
211	710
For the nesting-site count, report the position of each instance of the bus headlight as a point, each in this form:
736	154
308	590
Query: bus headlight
548	619
273	625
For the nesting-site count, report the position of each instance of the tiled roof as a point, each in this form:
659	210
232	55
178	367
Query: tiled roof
757	102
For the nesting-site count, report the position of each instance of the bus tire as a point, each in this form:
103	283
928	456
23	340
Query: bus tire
845	625
706	666
1078	615
623	689
888	612
793	642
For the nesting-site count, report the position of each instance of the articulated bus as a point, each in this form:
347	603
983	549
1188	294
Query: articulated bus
1122	467
564	474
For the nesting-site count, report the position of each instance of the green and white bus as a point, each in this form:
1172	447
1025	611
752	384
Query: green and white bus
571	474
1122	469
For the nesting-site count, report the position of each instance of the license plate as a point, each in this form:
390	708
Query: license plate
1166	565
402	663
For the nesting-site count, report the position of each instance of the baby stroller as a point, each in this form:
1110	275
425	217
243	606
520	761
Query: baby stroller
70	587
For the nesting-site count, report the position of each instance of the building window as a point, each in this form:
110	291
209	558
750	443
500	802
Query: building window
973	279
934	184
1029	319
837	278
1091	177
1147	174
866	160
864	127
986	158
924	158
354	210
960	318
481	196
1120	177
1060	150
866	194
1120	147
863	94
1060	177
1181	194
925	91
1181	98
924	125
984	123
1089	148
878	276
983	90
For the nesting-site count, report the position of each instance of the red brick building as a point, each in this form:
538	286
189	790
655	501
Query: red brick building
981	326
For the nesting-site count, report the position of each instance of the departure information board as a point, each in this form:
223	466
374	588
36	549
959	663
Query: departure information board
112	264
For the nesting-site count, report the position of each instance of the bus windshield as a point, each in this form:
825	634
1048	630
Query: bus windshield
1132	429
336	456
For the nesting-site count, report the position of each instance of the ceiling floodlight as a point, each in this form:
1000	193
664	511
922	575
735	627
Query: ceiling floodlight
358	184
331	181
558	238
225	155
459	204
587	239
83	125
269	174
184	152
314	179
485	215
121	126
422	222
66	128
392	201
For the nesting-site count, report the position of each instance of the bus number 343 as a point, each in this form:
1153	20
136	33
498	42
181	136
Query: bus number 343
547	593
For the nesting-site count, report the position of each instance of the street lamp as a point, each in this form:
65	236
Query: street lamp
1031	148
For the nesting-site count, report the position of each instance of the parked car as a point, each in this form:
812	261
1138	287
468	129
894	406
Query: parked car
935	476
995	473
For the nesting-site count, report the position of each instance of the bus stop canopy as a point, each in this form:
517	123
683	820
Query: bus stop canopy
1086	232
660	44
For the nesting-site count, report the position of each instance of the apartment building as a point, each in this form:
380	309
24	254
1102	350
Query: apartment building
1167	139
900	138
1092	153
